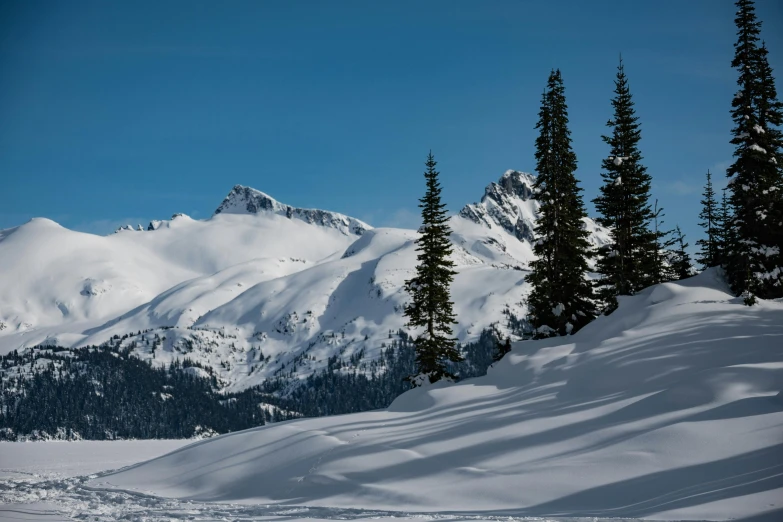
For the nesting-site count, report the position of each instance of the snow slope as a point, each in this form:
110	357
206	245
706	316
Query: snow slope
670	408
57	282
260	286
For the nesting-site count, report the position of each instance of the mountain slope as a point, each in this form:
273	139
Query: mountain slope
670	408
56	282
260	289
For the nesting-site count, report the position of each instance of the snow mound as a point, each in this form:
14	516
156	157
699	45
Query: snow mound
669	408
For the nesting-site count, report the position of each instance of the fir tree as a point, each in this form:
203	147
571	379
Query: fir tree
770	211
561	299
722	229
660	264
628	264
501	349
708	247
431	306
752	257
680	260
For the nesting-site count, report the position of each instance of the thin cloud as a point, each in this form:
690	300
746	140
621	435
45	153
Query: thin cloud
400	218
681	188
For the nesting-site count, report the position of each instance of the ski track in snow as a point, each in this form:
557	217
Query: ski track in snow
51	497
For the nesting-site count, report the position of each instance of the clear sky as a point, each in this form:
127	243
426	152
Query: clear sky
117	112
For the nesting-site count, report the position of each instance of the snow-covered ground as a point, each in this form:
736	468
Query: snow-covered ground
260	286
671	408
41	480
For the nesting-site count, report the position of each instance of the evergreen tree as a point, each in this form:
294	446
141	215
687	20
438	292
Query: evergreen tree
561	299
680	260
628	264
753	259
708	247
661	266
431	306
501	349
770	139
722	229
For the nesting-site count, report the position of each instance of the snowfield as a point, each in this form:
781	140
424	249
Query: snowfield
670	408
259	287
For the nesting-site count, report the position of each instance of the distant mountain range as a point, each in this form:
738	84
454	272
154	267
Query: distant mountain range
261	288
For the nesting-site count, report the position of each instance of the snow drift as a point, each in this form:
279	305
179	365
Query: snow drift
669	408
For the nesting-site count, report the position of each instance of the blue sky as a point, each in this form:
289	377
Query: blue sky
124	112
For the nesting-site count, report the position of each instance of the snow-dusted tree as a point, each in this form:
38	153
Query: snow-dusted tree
628	264
708	247
679	259
431	306
753	258
561	300
770	138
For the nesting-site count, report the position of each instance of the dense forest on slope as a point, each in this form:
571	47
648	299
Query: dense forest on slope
107	393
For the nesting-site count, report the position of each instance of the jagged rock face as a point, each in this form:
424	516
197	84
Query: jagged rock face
243	200
508	204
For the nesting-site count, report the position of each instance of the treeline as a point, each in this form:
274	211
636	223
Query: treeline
104	393
372	383
744	232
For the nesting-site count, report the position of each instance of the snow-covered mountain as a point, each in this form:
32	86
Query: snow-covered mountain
259	286
671	408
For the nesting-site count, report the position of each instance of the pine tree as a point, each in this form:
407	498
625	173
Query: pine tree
708	247
628	264
501	349
680	260
661	267
722	229
561	299
770	211
753	259
431	306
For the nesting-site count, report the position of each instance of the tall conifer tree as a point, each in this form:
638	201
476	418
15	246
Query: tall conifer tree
753	259
431	307
561	299
660	262
628	264
770	211
723	229
708	247
680	260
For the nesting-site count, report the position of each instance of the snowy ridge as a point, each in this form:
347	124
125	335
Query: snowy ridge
669	409
246	200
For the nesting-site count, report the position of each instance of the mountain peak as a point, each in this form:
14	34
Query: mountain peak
247	200
508	203
517	183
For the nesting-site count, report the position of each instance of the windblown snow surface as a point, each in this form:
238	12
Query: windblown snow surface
670	408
